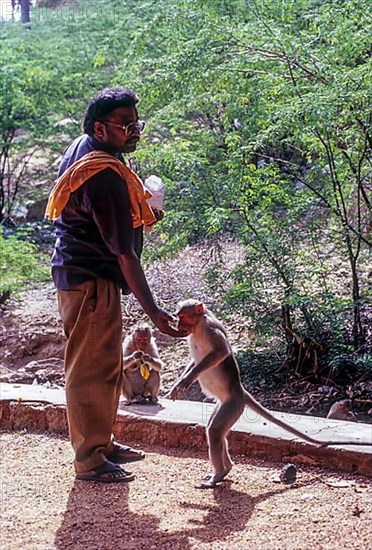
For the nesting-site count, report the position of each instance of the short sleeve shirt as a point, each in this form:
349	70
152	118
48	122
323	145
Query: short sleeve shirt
94	228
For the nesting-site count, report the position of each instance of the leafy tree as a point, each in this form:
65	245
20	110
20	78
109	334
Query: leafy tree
43	82
20	263
259	123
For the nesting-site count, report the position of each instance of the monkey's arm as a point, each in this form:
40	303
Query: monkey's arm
134	275
214	358
189	368
129	361
173	394
130	364
193	370
154	362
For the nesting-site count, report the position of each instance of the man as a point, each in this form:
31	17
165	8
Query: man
99	206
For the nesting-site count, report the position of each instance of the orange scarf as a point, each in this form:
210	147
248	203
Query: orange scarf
86	167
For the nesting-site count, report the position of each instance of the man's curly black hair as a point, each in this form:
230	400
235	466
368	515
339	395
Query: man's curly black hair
106	101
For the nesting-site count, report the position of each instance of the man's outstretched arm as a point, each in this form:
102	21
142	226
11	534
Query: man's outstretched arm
136	280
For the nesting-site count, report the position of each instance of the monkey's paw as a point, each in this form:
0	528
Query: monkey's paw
173	394
177	391
211	480
210	484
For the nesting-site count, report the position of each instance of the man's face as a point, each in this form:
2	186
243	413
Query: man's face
113	132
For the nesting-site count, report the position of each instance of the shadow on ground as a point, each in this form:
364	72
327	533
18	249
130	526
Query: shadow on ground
99	517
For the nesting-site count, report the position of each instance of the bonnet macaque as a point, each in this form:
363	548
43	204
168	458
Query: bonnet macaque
341	410
213	364
142	366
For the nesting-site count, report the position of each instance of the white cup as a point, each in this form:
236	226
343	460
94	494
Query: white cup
155	185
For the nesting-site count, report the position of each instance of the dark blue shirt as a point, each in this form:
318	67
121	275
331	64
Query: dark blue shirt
95	226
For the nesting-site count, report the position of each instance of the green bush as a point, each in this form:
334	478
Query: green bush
20	263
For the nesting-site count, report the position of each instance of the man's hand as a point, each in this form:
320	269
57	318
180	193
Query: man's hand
159	214
133	274
162	320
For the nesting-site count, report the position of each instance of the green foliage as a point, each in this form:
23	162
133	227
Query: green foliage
20	262
47	74
258	122
279	109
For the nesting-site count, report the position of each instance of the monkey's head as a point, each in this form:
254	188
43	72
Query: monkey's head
345	405
189	313
142	336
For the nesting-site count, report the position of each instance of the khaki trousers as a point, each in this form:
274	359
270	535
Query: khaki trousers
91	315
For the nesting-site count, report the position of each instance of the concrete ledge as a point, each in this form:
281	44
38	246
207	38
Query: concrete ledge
181	424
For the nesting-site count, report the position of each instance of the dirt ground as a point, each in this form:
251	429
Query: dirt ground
43	507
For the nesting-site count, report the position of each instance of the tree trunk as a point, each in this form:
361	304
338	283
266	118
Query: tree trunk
25	11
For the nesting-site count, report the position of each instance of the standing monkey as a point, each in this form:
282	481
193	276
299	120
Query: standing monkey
214	366
142	365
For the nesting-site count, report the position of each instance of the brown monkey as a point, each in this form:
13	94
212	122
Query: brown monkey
214	366
341	410
142	365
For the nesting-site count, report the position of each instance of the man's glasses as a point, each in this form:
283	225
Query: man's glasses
129	128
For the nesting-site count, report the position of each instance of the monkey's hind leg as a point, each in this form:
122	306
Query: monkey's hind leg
226	459
227	462
220	423
127	389
227	466
152	387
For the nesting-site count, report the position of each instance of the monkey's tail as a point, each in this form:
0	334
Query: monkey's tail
257	407
250	401
356	443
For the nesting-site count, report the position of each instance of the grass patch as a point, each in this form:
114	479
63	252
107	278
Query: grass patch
21	263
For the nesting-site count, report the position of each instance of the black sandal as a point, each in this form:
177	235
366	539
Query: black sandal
108	472
123	454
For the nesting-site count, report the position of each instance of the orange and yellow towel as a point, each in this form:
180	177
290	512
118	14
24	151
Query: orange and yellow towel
86	167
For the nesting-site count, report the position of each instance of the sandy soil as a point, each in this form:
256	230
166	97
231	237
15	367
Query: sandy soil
43	507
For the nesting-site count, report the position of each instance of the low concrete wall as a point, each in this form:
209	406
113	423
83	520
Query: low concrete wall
171	433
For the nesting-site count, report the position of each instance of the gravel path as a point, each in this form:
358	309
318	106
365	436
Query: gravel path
44	508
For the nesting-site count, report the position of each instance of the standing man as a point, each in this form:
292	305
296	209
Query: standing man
99	206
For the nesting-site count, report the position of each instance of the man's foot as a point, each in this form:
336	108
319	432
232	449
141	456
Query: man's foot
122	454
108	472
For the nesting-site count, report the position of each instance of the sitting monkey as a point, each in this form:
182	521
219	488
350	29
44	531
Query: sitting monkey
142	365
341	410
